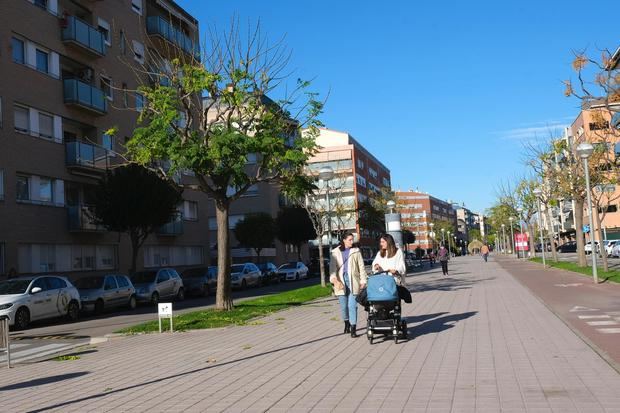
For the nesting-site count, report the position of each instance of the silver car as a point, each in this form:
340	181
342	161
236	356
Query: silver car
99	293
243	275
295	270
154	285
27	299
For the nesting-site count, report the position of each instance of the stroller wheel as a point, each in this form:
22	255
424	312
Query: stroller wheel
404	329
395	334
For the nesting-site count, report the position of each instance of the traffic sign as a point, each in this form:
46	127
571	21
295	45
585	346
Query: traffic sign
586	229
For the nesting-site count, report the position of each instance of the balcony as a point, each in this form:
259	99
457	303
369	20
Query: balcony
79	219
172	228
85	157
158	26
85	96
83	35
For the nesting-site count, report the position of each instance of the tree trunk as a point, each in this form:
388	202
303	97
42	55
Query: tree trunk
321	263
135	247
578	212
223	298
554	252
531	228
298	252
599	233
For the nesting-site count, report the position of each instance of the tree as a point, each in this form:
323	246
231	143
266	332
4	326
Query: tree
236	136
136	201
474	234
438	225
256	231
294	226
408	238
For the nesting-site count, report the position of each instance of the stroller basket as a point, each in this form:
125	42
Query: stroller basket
382	287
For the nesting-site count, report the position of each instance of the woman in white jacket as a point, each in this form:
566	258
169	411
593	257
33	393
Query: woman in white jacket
390	259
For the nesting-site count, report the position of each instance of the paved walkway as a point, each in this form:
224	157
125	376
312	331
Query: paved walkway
482	342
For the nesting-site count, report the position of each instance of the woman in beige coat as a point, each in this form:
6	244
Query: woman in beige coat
347	273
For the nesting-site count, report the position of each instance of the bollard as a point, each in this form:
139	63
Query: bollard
5	344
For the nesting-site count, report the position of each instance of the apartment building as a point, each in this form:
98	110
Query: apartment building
72	70
358	175
418	210
466	220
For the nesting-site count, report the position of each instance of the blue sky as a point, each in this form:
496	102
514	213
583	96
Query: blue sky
443	93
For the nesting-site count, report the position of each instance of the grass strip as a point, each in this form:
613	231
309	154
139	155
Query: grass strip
239	315
613	276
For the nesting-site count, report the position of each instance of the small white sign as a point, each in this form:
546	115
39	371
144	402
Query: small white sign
165	309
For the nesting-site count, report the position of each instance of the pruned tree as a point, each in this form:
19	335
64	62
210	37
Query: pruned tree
136	201
220	120
257	231
294	226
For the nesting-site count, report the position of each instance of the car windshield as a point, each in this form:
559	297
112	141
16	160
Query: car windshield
237	268
143	277
263	266
14	286
193	273
289	266
88	283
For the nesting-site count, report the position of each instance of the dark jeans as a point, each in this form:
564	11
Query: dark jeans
485	256
444	267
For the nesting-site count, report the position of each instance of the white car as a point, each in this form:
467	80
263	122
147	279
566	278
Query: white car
295	270
588	247
615	251
609	246
26	299
243	275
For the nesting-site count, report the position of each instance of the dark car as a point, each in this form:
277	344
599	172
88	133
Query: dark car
547	248
268	273
200	281
314	269
570	246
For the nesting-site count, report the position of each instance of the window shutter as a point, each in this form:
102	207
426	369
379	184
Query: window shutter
57	129
54	64
59	192
34	121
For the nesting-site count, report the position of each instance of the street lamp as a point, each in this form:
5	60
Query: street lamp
432	235
391	204
504	238
512	234
538	192
326	174
584	150
443	241
520	211
448	243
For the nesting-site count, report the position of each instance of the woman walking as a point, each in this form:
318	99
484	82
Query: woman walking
444	257
390	259
347	274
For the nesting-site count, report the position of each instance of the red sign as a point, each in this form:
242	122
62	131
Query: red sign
521	243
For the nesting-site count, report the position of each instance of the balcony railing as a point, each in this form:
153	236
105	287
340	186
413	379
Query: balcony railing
84	35
84	155
79	219
173	228
158	26
84	95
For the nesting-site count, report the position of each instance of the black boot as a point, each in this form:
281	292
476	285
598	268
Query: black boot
347	327
353	331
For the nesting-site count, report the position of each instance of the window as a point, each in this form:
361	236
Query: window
42	61
110	283
361	181
122	44
45	190
372	172
23	188
41	3
46	126
360	164
1	187
47	258
163	276
139	102
138	51
107	141
17	46
104	28
599	125
122	281
106	257
190	210
136	5
386	182
106	86
21	119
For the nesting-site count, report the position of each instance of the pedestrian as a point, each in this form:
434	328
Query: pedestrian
431	258
347	273
484	251
444	257
390	259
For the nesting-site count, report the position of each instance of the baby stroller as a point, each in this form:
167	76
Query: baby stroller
384	308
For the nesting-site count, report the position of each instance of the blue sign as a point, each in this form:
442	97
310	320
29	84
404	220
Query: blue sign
586	228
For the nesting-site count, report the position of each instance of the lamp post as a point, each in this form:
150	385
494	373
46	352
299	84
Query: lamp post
520	211
538	192
448	243
512	234
326	174
443	241
504	238
432	235
584	150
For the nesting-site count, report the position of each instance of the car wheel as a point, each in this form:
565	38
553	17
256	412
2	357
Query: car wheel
22	318
296	276
73	311
132	302
155	298
244	284
206	290
181	294
99	306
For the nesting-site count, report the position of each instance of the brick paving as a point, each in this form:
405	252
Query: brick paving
481	343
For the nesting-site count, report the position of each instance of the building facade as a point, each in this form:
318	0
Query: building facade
72	66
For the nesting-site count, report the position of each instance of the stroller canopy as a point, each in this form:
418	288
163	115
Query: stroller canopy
382	287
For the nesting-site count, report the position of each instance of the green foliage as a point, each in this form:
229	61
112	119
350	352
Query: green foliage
474	234
257	231
408	237
294	226
613	276
371	216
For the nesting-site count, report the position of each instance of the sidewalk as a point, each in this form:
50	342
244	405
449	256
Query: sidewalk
482	342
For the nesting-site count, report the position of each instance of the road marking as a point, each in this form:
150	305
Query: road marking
602	323
609	330
579	308
586	317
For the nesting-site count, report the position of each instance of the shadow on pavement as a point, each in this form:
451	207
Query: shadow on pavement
446	284
439	324
423	317
43	380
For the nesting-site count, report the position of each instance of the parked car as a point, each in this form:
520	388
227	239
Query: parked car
615	251
547	247
243	275
98	293
295	270
269	273
588	247
570	246
154	285
609	246
27	299
200	281
314	268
